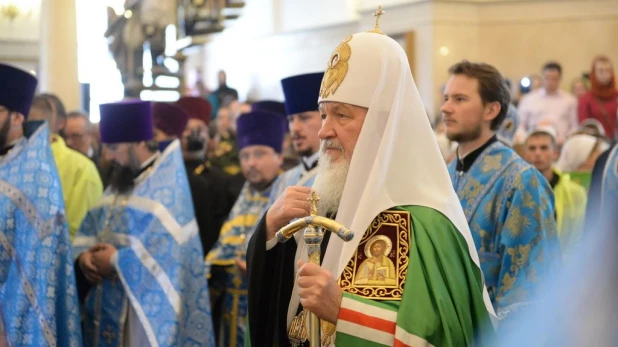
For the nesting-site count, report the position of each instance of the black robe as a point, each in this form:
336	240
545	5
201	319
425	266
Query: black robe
271	281
211	199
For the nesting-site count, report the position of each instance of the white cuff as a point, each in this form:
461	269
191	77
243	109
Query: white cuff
270	244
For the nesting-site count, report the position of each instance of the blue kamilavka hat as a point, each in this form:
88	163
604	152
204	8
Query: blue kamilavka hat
260	128
302	92
126	121
17	88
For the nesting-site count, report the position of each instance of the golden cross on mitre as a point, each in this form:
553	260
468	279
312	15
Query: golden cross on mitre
378	14
313	200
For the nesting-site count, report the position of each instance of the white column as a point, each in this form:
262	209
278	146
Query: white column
58	59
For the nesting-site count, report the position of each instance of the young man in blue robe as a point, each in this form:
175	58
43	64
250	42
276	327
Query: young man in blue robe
138	254
38	298
260	138
509	205
301	93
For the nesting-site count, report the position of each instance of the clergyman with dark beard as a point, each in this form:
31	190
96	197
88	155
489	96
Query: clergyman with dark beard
37	286
138	250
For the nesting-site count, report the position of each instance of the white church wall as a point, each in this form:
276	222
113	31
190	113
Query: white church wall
256	66
19	39
297	15
256	63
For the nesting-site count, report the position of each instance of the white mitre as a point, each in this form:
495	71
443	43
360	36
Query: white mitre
396	161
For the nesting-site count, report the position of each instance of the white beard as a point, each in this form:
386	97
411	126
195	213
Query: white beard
329	182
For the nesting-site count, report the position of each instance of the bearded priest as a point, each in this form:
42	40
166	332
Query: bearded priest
412	251
138	255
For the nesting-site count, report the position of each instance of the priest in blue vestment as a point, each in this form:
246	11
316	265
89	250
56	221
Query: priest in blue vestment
509	205
301	93
260	138
138	254
38	297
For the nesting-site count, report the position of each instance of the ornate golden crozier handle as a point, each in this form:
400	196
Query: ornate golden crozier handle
314	227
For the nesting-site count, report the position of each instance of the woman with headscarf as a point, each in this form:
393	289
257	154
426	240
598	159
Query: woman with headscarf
601	102
579	153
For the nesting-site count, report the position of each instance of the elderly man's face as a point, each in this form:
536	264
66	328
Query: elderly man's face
341	126
78	135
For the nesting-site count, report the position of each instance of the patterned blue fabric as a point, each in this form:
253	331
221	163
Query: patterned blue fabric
509	206
239	225
229	285
159	261
38	297
294	177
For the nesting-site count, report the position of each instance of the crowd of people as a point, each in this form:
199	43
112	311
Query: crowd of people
561	134
158	225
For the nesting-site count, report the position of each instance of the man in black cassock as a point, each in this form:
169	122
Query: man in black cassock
213	197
